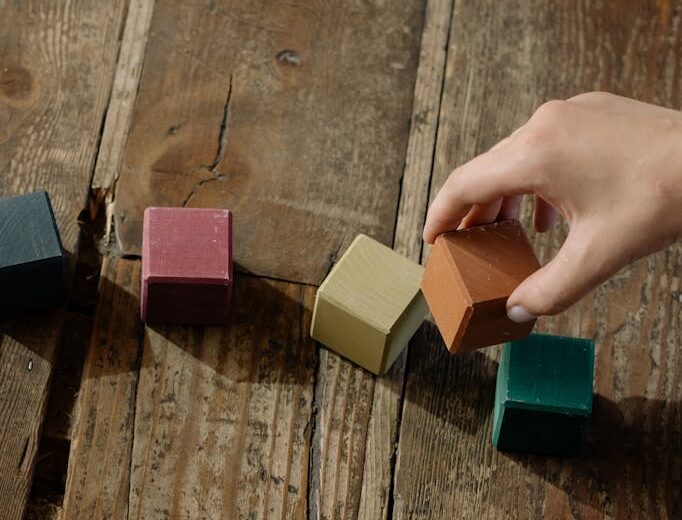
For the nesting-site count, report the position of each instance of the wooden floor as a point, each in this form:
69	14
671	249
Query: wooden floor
313	121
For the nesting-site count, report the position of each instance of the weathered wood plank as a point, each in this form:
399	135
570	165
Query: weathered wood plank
123	94
222	422
98	476
56	65
293	115
503	60
355	439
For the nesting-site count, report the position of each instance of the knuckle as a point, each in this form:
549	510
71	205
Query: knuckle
551	112
540	141
596	96
536	147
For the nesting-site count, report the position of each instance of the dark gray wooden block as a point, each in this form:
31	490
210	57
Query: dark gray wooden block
32	260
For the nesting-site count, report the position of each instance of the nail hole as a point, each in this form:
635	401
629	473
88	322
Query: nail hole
289	58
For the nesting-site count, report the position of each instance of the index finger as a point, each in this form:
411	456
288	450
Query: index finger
497	173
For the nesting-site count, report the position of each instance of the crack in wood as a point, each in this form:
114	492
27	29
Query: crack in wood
220	150
24	453
416	121
222	137
198	186
314	455
133	408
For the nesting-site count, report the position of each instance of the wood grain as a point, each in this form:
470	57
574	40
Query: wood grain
98	478
294	116
222	421
56	66
504	59
123	94
354	443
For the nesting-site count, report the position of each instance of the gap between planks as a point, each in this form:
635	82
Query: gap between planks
381	429
410	215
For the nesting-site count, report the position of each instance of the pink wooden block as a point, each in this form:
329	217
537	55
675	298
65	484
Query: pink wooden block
186	265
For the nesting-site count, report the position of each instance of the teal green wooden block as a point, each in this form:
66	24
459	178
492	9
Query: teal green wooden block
543	399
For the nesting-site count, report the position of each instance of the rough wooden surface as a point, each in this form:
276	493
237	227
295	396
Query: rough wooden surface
503	60
123	94
222	422
99	464
294	114
208	413
56	66
343	406
355	441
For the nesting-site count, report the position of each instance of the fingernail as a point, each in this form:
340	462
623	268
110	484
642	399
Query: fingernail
519	314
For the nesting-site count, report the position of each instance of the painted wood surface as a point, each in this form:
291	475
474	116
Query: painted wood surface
28	231
186	266
296	115
56	64
33	264
504	59
370	305
469	276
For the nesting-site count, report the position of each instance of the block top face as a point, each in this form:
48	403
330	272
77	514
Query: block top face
372	282
549	373
187	245
490	261
28	230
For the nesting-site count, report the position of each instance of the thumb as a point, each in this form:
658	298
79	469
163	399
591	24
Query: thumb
580	265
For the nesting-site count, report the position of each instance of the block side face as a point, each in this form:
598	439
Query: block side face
535	431
188	245
347	335
33	286
500	394
373	282
405	328
552	372
445	298
490	325
28	230
185	304
491	260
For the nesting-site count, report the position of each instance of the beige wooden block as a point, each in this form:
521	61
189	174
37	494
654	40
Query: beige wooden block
370	305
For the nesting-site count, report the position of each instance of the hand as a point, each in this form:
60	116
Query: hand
611	166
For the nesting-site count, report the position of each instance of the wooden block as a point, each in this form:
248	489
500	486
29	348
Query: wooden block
186	265
543	399
468	278
370	305
32	261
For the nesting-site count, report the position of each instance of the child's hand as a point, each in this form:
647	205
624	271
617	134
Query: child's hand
611	166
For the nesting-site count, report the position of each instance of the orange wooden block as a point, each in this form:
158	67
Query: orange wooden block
468	278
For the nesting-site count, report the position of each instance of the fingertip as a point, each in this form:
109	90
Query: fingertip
511	208
481	214
519	314
436	224
428	234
